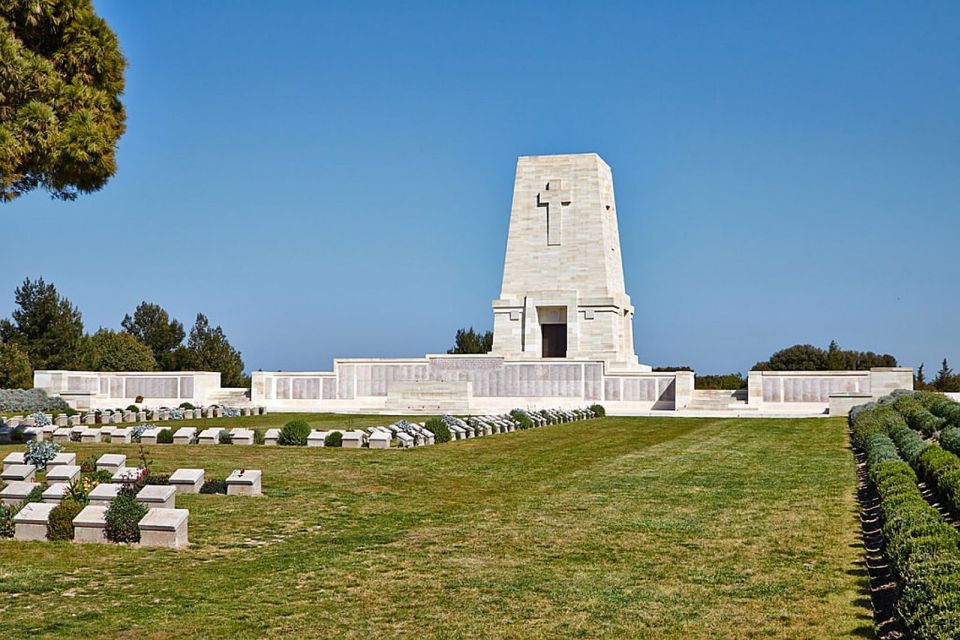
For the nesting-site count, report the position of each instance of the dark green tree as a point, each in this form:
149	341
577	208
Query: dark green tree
920	380
61	76
211	351
945	379
15	370
154	327
108	350
469	341
45	326
799	357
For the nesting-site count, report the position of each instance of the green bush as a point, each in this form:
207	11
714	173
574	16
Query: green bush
88	464
165	436
158	478
225	437
520	416
439	429
909	442
872	418
258	436
214	485
122	517
187	405
333	439
35	495
6	520
133	407
880	448
912	408
599	410
950	440
294	433
60	524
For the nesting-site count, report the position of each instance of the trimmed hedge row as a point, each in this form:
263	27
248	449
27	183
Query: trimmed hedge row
913	408
922	548
950	439
873	418
909	443
940	469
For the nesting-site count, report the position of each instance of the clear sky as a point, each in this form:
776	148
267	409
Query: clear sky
334	179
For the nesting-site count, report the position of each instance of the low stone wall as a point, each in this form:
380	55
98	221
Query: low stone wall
816	391
468	384
105	390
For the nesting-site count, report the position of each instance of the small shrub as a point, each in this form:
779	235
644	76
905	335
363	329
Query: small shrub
39	454
60	524
526	422
333	439
158	478
294	433
137	432
225	437
88	464
214	485
187	405
29	401
950	440
133	408
598	410
35	495
6	520
18	434
258	436
122	517
40	419
439	429
165	436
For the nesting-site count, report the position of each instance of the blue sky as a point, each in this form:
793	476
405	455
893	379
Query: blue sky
334	180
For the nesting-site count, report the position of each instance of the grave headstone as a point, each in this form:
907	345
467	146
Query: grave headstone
90	525
111	462
184	435
16	457
271	437
244	482
61	459
187	480
158	496
242	436
18	473
210	436
55	493
62	420
164	528
31	522
16	492
104	493
91	435
379	440
62	473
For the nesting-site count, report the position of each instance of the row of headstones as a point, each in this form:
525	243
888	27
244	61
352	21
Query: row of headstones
164	525
114	417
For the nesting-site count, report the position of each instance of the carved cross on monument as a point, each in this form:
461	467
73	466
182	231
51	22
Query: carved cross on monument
554	197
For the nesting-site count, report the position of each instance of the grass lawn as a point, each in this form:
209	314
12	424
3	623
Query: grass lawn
620	527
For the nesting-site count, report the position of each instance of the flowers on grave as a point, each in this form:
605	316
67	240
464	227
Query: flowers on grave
40	453
230	412
176	413
40	419
79	490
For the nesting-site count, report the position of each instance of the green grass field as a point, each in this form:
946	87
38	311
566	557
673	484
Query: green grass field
620	527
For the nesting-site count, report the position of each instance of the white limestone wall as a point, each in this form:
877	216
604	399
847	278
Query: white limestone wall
811	391
467	384
111	389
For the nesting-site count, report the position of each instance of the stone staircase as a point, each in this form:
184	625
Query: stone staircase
722	400
231	397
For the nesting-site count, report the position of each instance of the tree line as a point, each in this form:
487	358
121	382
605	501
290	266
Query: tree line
45	331
945	380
